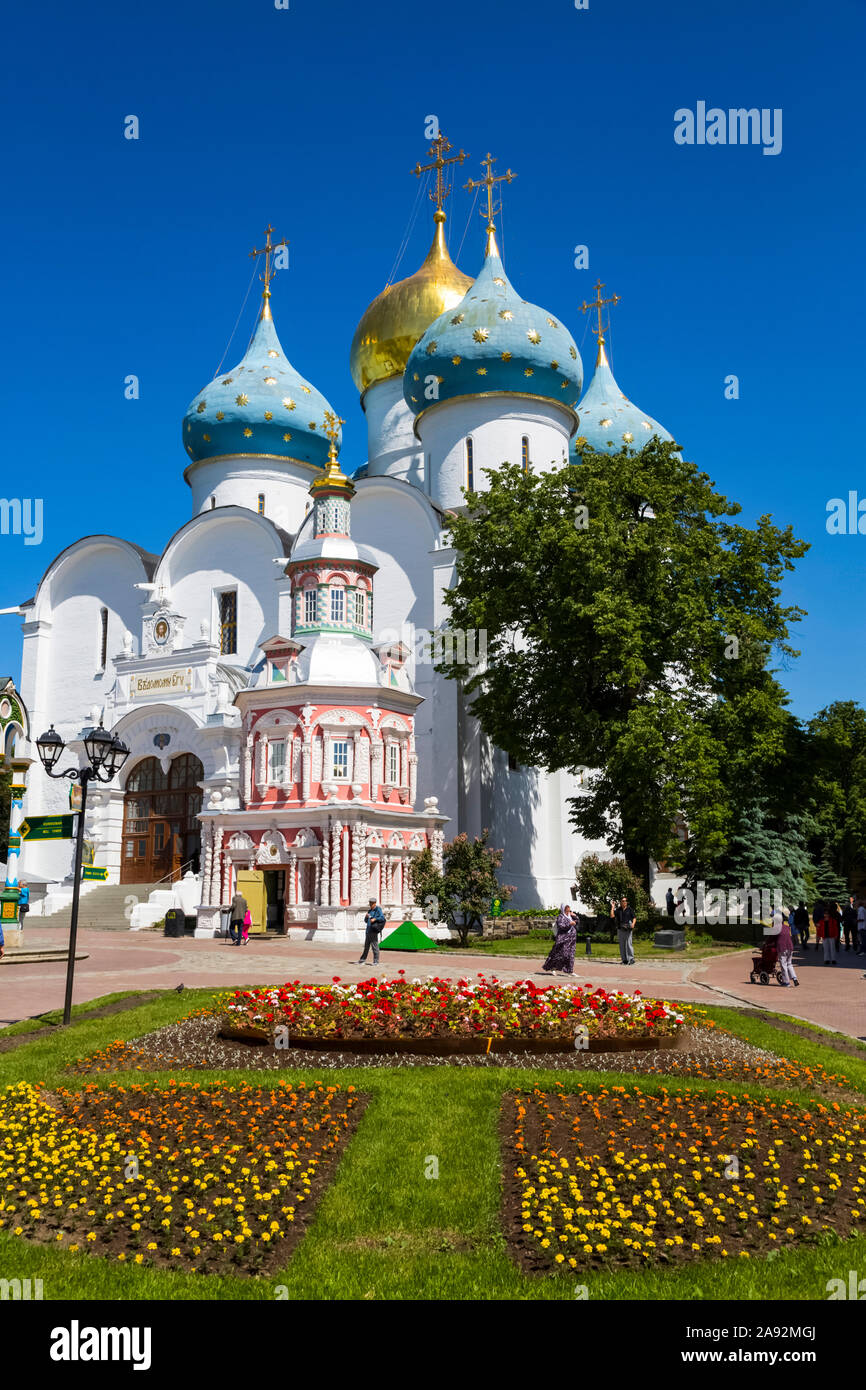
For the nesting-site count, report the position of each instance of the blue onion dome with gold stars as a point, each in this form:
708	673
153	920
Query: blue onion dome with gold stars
609	421
493	342
263	407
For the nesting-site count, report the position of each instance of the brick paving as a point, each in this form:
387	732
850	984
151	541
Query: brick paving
834	997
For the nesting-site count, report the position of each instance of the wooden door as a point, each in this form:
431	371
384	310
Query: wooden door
251	882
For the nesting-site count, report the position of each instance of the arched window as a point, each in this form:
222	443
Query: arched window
470	466
524	454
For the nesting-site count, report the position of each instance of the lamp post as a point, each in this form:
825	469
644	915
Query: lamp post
106	754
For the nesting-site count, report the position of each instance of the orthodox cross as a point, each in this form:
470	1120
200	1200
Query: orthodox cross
267	251
489	182
332	430
598	303
441	189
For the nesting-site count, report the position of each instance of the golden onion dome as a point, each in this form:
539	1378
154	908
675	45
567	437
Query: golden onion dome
402	313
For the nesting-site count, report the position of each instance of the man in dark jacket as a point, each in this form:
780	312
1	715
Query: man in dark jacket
849	923
374	921
239	912
801	923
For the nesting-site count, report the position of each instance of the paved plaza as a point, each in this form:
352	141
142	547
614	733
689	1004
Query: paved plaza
833	997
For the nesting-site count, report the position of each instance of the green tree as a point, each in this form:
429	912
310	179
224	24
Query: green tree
599	880
833	778
629	623
460	895
767	851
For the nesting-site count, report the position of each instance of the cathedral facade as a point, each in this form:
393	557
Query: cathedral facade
284	722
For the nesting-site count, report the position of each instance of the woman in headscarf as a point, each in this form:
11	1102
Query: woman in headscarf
562	952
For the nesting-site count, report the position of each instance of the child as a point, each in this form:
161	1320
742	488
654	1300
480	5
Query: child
248	922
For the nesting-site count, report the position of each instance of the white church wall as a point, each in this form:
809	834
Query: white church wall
497	426
238	482
392	447
219	551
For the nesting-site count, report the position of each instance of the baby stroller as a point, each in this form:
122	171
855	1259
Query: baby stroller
766	964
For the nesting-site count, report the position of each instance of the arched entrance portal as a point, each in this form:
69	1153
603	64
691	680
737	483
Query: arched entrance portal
161	830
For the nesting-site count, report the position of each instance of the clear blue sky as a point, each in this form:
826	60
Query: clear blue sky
131	257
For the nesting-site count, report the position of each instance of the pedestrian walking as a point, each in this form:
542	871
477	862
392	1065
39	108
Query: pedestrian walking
248	922
374	921
861	927
561	955
849	923
236	922
23	901
818	921
785	947
830	935
801	924
625	925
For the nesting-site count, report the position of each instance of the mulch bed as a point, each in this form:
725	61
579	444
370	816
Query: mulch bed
601	1178
244	1156
195	1044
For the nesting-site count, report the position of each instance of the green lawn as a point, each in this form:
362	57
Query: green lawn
385	1231
536	945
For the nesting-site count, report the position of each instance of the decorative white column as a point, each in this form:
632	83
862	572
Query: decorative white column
248	769
206	863
306	763
404	764
261	765
436	843
326	869
413	778
292	897
217	886
345	861
357	887
378	753
335	863
317	861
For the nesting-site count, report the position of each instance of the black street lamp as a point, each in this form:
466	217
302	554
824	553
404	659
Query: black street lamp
107	754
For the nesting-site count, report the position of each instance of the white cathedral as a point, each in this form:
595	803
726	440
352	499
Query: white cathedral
287	733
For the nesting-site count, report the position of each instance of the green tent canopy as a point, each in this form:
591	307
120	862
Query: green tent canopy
408	937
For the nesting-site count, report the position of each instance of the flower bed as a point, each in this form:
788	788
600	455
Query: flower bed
436	1014
209	1178
617	1178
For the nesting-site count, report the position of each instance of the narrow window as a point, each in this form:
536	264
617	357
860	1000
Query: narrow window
470	466
228	622
261	507
340	749
103	641
277	762
212	503
393	764
359	608
336	605
310	600
525	453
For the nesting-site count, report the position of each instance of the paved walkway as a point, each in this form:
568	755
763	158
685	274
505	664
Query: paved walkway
834	997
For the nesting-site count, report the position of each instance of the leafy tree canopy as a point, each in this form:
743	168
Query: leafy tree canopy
461	894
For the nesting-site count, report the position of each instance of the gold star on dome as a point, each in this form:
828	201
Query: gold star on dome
440	379
202	405
247	432
604	423
272	352
306	390
580	442
506	314
646	424
288	403
456	361
481	371
220	415
269	415
227	381
242	399
555	365
287	437
206	438
533	335
563	386
481	335
270	381
458	318
506	356
431	348
573	352
415	376
628	436
312	425
529	371
552	322
498	280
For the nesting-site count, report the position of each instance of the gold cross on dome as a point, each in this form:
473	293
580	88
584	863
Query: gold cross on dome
441	190
267	251
598	303
332	430
489	182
